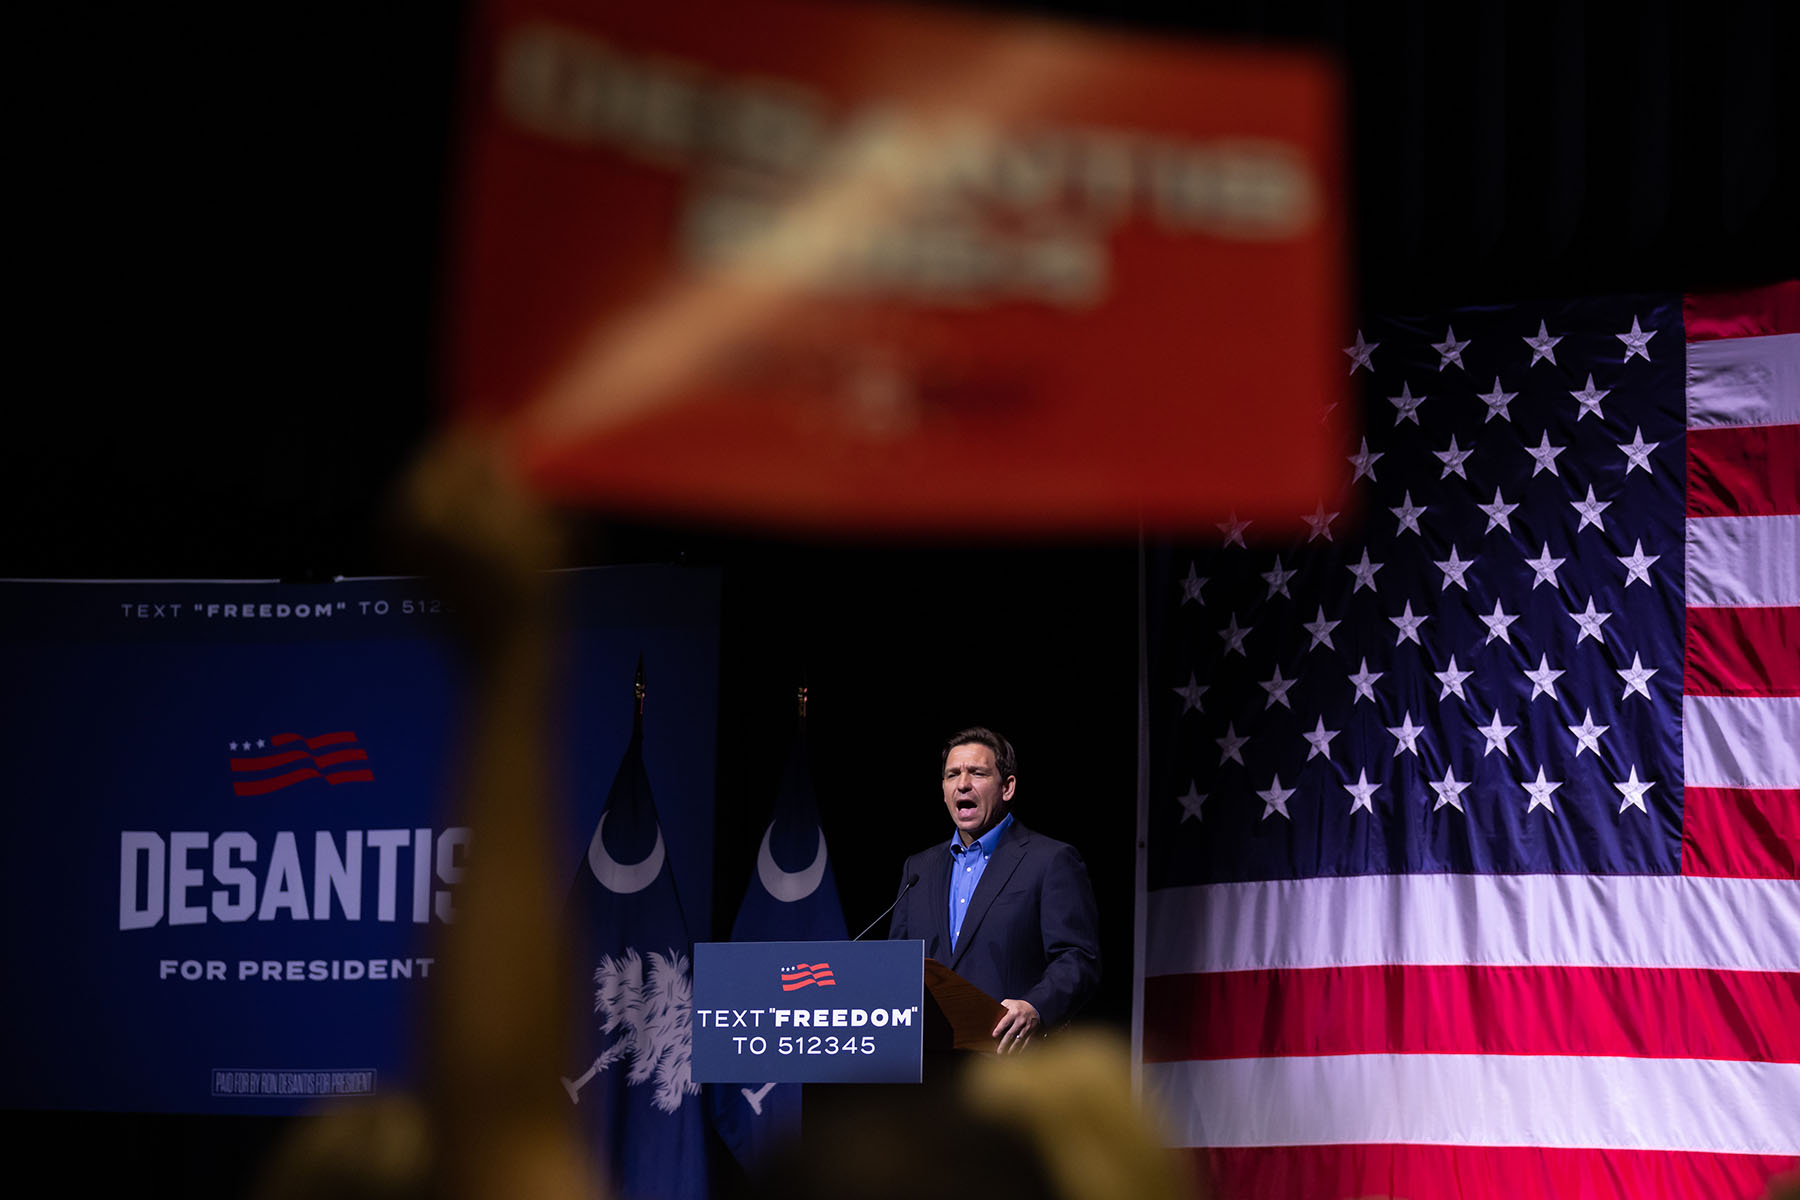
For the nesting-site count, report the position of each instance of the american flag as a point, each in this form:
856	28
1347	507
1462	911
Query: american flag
1473	807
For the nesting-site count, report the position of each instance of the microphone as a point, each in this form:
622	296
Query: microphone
910	880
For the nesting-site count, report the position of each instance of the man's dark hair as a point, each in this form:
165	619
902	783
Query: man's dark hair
1004	761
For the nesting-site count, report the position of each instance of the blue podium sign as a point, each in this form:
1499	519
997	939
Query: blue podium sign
808	1012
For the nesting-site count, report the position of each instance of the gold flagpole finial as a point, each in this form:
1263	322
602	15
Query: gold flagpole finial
800	705
637	689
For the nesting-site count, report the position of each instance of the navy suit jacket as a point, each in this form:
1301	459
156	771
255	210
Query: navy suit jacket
1031	932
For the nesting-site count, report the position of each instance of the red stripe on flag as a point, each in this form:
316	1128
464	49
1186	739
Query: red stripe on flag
1743	652
362	775
329	739
1743	471
1481	1172
274	783
1740	833
1755	313
282	739
341	756
267	761
1403	1009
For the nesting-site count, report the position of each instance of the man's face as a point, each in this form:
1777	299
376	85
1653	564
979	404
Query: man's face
973	790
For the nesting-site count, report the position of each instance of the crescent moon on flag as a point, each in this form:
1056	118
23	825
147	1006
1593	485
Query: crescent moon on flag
789	886
623	878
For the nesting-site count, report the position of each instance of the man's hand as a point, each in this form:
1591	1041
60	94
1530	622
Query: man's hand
1017	1026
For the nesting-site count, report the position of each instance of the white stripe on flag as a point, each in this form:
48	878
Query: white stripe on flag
1748	561
1484	1100
1741	741
1521	920
1744	381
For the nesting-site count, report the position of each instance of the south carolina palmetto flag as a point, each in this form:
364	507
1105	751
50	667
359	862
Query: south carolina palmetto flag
1473	810
792	896
632	1086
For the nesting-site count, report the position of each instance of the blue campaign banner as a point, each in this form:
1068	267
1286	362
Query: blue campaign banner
231	833
808	1012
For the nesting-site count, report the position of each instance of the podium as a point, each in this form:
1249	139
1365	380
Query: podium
958	1015
830	1012
875	1029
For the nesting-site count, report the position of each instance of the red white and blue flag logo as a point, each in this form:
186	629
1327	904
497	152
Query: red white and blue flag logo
334	757
806	975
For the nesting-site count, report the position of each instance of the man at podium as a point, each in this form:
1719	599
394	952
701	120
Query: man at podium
1008	909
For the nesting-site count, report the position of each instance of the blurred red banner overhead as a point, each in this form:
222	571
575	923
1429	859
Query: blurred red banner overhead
860	267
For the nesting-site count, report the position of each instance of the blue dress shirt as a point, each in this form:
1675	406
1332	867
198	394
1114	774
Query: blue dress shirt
966	867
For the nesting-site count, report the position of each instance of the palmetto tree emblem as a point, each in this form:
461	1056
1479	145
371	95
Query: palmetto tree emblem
654	1021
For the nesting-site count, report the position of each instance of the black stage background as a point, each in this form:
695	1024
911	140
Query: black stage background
225	267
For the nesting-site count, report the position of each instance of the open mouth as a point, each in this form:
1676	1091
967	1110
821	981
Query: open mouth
965	806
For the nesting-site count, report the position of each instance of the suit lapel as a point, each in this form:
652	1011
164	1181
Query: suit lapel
1006	860
936	882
